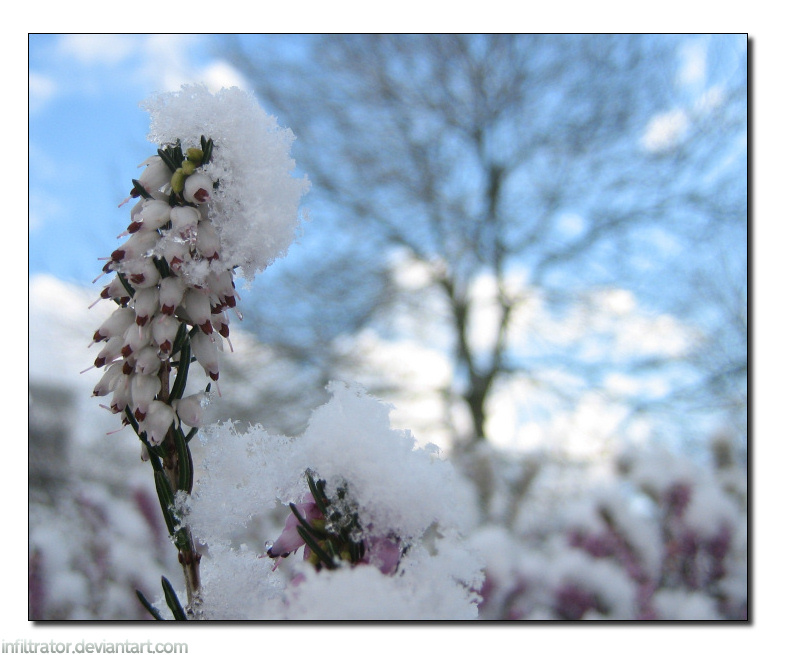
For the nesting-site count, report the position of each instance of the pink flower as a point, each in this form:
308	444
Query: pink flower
289	541
383	554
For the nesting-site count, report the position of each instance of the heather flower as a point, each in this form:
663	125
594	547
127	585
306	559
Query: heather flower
330	531
155	176
383	553
157	421
202	211
290	540
205	350
197	188
190	409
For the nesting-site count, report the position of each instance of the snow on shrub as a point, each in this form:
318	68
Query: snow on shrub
385	516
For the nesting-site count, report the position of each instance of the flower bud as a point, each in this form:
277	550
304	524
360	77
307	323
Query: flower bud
194	155
178	180
197	188
188	167
222	288
221	324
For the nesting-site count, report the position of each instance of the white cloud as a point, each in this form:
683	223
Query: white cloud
103	49
167	62
665	130
41	88
219	74
158	62
694	57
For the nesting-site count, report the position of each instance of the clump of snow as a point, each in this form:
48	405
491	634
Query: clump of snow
255	205
399	489
680	605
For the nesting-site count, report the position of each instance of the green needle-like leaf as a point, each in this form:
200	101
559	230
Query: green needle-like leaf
172	600
191	434
177	154
180	338
153	611
316	533
316	549
317	494
142	191
129	289
162	267
179	386
207	149
185	463
165	156
166	499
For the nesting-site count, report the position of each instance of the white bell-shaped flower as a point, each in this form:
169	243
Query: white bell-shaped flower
156	174
171	290
143	390
164	329
115	325
190	409
198	188
109	380
157	421
146	302
205	350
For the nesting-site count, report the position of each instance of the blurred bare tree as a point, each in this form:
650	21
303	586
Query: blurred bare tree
590	162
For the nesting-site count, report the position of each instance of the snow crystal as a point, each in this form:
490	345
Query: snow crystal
255	206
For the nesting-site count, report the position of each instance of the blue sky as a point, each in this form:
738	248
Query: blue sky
87	134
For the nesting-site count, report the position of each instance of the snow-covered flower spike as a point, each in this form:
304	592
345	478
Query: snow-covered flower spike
203	210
